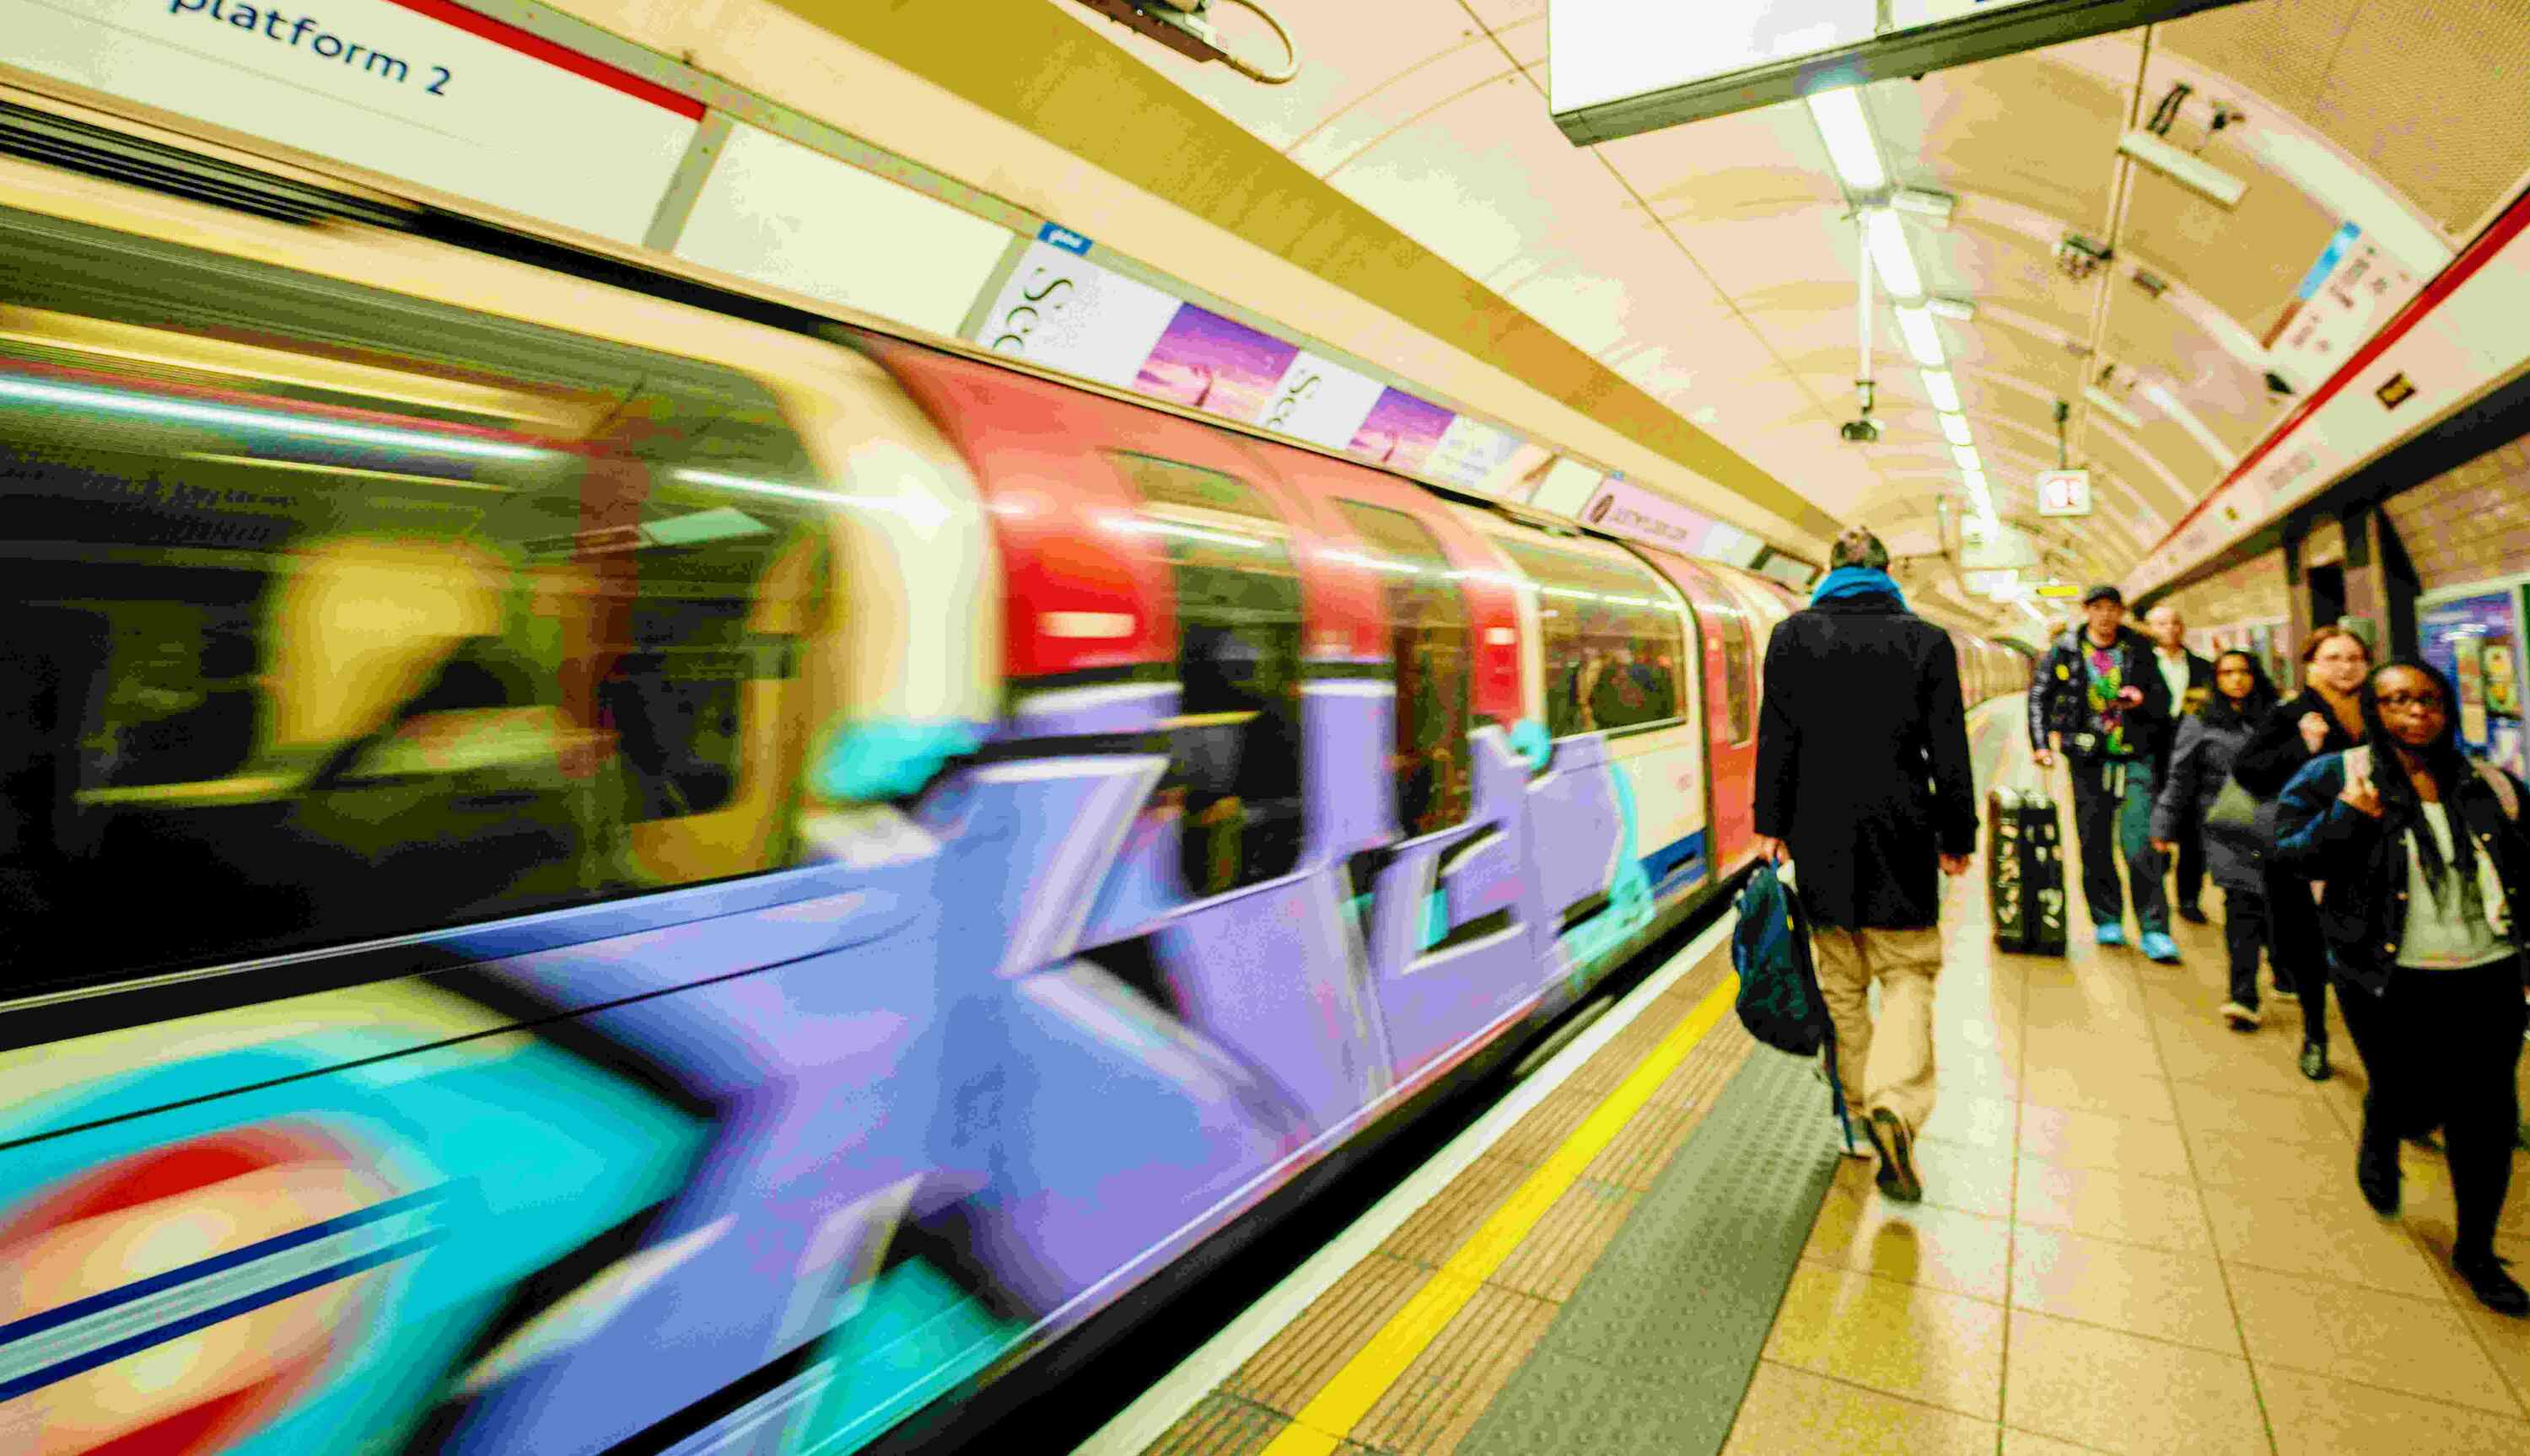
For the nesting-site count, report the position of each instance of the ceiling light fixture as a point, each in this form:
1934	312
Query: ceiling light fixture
2106	405
1954	428
1889	254
1966	455
1849	143
1933	207
2184	168
1944	392
1915	326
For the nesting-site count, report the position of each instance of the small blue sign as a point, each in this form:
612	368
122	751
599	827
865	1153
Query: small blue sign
2328	260
1063	237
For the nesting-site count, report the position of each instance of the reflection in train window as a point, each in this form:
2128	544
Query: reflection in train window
1737	695
1234	746
1427	626
420	623
1612	636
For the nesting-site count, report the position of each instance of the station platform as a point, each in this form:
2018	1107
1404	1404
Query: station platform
2139	1235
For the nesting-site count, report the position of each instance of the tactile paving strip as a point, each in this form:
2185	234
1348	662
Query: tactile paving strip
1227	1425
1655	1349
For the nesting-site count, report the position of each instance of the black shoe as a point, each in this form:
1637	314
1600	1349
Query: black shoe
2376	1172
2314	1061
2497	1290
1896	1148
2192	915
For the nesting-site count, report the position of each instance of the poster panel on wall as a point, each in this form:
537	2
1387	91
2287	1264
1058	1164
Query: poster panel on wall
2347	294
1567	487
1322	402
2476	642
1215	364
1400	431
420	90
1469	454
1622	508
1062	311
774	211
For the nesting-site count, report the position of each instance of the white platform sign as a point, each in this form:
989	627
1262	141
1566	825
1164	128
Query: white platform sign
1064	311
419	90
2063	492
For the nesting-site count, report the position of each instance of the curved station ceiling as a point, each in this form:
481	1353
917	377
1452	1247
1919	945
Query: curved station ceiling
1714	264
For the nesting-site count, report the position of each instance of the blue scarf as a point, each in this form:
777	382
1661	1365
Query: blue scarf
1856	582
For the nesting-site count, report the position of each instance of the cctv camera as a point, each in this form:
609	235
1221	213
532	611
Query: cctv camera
1864	431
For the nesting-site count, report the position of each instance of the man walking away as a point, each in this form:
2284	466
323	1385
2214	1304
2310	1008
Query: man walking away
1862	775
2100	702
2184	671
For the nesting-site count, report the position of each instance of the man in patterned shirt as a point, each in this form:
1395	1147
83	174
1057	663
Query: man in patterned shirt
2102	703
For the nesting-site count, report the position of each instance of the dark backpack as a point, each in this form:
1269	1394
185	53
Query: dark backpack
1779	992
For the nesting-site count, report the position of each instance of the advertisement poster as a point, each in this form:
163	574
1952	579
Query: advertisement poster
1401	431
1060	310
1215	365
2476	641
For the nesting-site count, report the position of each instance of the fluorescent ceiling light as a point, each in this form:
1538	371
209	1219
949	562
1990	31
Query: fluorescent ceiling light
1975	482
1946	393
1888	254
1934	207
2181	168
2108	405
1916	326
1954	428
1849	143
1966	455
1961	309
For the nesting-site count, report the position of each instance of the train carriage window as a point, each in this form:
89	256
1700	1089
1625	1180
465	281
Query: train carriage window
1614	641
1738	694
1427	625
1235	745
392	620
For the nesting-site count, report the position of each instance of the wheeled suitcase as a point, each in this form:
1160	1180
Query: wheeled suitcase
2025	872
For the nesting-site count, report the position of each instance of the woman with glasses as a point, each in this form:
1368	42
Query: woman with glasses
2322	719
2200	765
2425	863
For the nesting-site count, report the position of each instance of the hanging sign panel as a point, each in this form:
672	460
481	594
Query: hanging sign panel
1618	67
419	90
2350	292
2063	492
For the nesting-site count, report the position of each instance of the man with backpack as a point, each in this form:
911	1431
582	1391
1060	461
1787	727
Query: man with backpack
1863	778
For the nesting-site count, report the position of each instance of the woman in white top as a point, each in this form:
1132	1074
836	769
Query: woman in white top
2425	862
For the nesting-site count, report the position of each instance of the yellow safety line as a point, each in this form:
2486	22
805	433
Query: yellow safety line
1322	1425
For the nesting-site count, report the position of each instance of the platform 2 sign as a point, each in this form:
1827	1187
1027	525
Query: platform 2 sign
419	89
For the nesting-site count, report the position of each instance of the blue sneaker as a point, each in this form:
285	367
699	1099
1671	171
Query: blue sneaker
2157	946
2111	933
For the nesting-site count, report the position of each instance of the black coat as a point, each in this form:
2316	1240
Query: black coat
2275	752
1862	760
2200	764
2364	914
2059	702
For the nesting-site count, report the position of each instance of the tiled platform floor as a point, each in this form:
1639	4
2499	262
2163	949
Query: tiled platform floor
2140	1234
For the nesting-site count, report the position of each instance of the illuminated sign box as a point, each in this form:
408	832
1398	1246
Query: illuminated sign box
2063	492
1618	67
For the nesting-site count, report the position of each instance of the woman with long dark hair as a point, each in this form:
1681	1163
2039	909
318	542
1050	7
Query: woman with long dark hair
2200	765
2426	865
2322	719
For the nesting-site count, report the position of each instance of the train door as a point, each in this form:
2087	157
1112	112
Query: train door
1619	806
1731	665
1445	906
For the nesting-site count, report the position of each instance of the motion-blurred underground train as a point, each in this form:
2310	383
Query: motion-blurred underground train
579	873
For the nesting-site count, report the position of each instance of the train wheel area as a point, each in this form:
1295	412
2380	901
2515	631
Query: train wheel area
1656	1246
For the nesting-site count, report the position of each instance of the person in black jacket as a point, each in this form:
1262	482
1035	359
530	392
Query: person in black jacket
2324	717
2200	766
2102	703
2426	864
1862	773
2187	675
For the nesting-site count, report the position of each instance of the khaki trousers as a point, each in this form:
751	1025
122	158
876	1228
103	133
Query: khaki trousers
1890	1065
